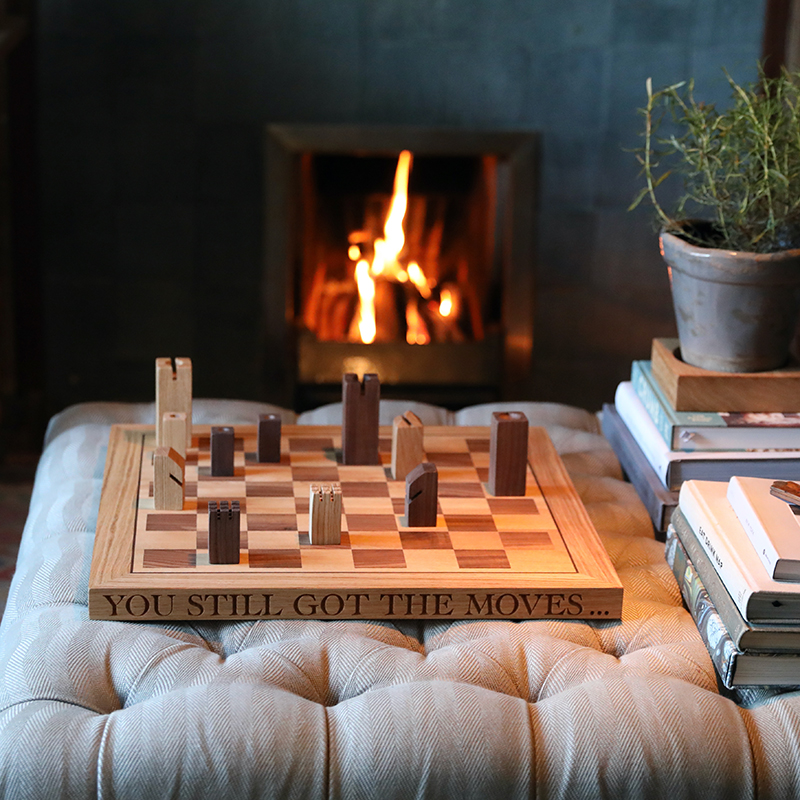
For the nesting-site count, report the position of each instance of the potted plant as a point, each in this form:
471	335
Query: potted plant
733	242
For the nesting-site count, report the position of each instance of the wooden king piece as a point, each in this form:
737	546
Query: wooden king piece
325	514
360	407
407	444
173	393
168	479
508	454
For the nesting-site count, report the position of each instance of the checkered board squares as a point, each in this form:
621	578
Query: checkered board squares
474	531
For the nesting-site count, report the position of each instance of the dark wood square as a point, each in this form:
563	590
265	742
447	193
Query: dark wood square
479	445
378	559
425	540
482	559
365	489
174	521
306	444
513	505
384	445
169	558
271	522
512	539
275	559
371	522
250	458
270	490
450	459
456	489
204	474
470	522
316	474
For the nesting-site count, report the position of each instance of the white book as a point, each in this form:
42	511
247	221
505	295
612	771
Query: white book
759	598
772	525
675	466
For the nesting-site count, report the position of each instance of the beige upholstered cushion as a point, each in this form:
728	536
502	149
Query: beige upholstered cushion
309	709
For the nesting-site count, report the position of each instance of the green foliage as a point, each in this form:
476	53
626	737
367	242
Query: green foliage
740	167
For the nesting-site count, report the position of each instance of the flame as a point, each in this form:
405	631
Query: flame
367	327
354	252
416	329
417	277
446	303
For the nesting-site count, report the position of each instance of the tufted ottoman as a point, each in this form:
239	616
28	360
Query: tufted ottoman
309	709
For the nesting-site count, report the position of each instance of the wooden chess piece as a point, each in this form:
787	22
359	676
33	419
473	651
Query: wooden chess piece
422	496
508	454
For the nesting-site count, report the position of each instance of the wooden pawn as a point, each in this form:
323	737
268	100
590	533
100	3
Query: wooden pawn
224	520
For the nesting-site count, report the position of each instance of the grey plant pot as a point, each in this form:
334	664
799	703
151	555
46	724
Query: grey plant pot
736	311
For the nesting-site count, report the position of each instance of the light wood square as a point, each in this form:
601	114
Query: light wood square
445	444
540	561
221	490
431	560
524	522
480	540
464	505
272	540
375	540
455	474
362	473
327	559
367	505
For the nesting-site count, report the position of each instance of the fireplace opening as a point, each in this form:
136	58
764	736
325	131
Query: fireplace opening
405	253
399	249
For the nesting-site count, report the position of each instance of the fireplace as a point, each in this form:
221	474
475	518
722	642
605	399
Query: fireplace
408	252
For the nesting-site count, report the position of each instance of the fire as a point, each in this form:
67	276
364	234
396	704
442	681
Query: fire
386	264
446	303
367	327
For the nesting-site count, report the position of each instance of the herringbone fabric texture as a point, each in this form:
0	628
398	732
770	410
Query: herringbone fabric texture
309	709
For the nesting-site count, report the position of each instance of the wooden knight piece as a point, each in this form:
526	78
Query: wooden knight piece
508	454
173	394
223	532
422	496
325	514
407	444
168	479
360	408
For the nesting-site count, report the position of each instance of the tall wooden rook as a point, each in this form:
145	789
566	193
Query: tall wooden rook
173	394
360	408
268	443
508	454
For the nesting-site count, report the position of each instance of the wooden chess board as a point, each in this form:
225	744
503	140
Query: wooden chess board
488	557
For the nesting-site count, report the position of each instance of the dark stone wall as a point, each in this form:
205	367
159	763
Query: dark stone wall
151	116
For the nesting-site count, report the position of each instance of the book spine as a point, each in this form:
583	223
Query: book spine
650	401
751	523
704	527
630	410
709	624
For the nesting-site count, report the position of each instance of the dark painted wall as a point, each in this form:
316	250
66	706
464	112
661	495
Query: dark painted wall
151	115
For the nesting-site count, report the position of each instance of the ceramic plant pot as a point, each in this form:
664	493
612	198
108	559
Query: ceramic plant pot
736	311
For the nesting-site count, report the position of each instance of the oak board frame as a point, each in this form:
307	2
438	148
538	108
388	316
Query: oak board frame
592	591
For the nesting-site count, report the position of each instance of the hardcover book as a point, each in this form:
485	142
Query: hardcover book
673	467
735	667
712	430
759	598
763	637
659	501
772	525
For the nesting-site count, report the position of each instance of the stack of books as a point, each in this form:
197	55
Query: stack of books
735	550
659	447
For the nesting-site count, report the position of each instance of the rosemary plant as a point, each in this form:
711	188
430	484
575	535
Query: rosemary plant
740	167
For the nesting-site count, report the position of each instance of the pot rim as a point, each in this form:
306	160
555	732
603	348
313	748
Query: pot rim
700	251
